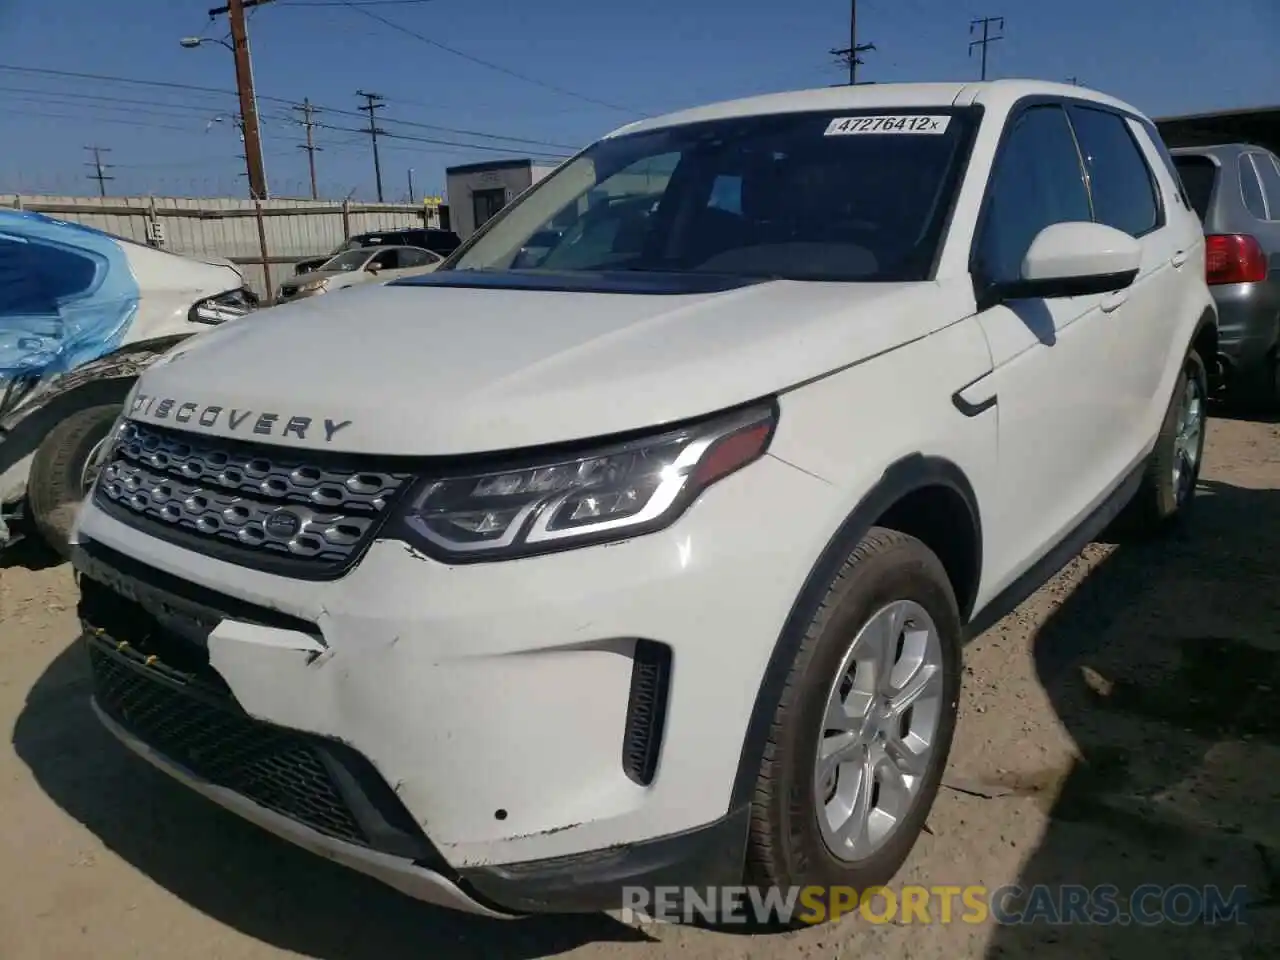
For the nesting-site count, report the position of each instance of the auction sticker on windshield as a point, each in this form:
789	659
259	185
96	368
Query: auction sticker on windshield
913	123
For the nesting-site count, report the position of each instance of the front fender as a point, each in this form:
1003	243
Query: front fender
105	380
124	364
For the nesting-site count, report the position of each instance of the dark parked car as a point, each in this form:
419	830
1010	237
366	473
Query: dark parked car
443	242
1236	190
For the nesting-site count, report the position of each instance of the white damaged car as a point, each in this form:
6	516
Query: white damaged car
649	562
81	313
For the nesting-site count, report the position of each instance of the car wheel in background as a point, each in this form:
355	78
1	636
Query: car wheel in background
60	472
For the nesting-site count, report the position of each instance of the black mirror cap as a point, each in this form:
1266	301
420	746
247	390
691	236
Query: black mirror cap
1057	288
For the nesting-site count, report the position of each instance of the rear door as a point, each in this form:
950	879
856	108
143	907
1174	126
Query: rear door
1130	195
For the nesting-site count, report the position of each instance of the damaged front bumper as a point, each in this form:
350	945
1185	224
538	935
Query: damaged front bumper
483	713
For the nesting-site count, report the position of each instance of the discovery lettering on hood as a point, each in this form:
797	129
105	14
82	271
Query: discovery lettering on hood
262	423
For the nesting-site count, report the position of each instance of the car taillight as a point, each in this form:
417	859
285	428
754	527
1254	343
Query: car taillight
1234	258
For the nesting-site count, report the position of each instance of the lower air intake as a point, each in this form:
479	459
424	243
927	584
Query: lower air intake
646	710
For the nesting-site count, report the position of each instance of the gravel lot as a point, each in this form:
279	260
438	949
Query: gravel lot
1122	727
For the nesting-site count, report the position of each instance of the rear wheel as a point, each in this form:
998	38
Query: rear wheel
1169	484
62	473
865	723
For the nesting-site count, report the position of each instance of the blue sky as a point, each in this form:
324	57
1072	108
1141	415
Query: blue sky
572	56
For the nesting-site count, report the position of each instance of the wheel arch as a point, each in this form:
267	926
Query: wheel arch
927	497
1205	342
107	379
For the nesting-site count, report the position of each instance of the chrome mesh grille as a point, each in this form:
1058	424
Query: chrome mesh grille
261	506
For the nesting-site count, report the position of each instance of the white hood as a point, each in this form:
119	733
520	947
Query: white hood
433	370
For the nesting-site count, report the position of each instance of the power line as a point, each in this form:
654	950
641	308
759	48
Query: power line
373	103
987	39
444	143
308	111
485	63
45	115
101	78
343	3
99	173
850	54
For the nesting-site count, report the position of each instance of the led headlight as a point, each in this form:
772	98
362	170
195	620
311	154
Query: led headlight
611	493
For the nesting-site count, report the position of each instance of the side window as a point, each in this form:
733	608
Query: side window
726	193
1121	183
414	258
1036	182
1250	189
387	259
1270	183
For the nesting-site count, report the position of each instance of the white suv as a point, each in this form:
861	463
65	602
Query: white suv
650	562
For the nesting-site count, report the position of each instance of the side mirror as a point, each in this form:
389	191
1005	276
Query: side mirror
1075	260
372	267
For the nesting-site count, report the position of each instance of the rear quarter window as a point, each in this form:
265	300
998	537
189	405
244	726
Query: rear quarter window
1250	189
1199	178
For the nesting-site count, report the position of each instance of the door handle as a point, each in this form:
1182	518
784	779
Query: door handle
1179	258
1114	301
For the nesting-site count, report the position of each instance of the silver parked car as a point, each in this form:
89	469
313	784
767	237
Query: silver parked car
363	265
1236	190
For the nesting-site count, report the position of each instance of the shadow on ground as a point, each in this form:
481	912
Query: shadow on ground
31	553
240	875
1164	666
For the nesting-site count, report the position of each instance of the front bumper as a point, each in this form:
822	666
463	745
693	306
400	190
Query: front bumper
496	701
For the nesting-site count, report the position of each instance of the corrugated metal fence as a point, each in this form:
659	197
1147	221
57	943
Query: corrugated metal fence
265	239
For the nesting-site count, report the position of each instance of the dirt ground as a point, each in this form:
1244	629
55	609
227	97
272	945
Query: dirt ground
1122	727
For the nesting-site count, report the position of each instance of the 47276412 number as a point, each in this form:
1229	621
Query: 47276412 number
906	124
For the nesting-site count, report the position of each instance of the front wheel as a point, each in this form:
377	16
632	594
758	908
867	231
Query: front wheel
61	475
861	735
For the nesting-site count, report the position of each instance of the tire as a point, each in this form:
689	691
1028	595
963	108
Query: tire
54	489
1161	499
788	846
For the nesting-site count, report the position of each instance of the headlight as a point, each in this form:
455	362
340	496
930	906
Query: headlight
225	306
551	502
319	283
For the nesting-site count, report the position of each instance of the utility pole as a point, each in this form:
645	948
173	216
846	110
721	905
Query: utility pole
411	184
244	85
987	39
99	167
308	111
850	53
374	102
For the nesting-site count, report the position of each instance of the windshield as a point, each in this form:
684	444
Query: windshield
350	260
856	196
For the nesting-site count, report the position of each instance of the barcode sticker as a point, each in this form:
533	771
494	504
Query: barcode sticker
913	123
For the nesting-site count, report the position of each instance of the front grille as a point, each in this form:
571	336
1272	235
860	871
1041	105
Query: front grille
270	508
182	719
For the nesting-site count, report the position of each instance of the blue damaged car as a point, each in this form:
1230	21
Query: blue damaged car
82	312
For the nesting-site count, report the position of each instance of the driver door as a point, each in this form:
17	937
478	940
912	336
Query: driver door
1056	370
